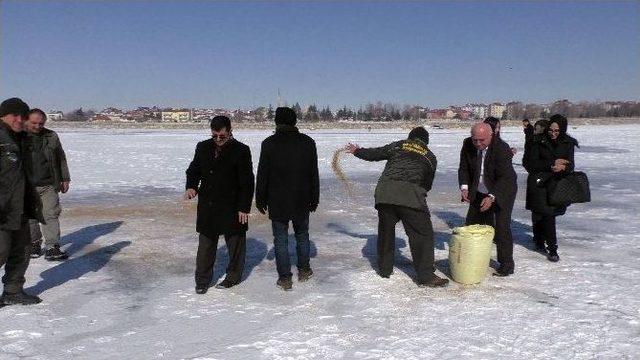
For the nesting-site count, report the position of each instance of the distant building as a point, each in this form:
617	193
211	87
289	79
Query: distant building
478	111
55	116
182	115
497	110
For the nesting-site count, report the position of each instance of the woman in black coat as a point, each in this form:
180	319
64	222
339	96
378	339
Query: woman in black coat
549	156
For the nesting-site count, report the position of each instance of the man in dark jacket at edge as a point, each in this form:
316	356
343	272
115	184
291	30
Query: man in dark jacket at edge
46	164
221	174
489	184
288	188
17	204
401	196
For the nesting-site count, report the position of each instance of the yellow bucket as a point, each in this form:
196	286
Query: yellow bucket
470	253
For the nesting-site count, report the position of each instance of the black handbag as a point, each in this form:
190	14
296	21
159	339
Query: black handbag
572	188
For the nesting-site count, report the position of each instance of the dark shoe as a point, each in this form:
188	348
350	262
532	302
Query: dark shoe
285	283
21	298
553	257
540	248
36	252
201	289
503	271
435	281
55	254
226	283
304	275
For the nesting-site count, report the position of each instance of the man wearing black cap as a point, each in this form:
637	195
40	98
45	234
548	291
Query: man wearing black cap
401	196
288	188
221	175
16	205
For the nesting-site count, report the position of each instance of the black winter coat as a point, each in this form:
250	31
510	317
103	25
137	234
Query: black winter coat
224	185
499	176
288	184
537	160
18	198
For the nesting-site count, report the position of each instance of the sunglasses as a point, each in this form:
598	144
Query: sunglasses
219	137
554	130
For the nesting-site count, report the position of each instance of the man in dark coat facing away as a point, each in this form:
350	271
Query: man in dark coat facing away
489	184
401	195
221	174
288	188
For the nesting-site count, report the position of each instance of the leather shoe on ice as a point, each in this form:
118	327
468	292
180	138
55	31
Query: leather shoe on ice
553	257
201	289
435	282
226	283
503	271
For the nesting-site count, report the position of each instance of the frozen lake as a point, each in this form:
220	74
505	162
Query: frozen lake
127	291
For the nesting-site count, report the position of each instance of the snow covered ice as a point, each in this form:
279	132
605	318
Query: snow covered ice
127	292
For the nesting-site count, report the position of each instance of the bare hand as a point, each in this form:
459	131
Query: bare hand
190	194
465	195
514	150
486	204
558	168
64	186
351	148
243	218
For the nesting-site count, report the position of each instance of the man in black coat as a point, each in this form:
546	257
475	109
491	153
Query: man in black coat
17	204
221	174
288	188
489	184
401	195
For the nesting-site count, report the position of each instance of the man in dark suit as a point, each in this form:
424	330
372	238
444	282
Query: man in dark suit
288	188
489	184
221	173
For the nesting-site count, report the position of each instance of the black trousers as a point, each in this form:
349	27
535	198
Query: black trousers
417	225
500	219
206	258
15	249
544	231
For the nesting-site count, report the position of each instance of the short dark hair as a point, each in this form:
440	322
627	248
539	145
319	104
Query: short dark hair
493	122
37	111
523	120
220	122
419	133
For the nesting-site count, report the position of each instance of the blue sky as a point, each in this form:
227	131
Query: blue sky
64	54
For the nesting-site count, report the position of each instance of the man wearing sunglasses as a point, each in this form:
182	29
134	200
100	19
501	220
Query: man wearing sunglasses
221	174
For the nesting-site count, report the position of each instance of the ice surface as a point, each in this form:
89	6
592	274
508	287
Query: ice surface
127	291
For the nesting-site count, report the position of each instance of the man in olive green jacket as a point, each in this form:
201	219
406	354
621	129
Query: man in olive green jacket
401	196
47	168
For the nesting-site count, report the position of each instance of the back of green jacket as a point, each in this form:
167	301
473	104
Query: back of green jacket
408	174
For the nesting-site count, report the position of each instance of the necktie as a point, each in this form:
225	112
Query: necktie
479	165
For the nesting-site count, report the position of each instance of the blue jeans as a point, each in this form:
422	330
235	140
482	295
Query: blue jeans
281	244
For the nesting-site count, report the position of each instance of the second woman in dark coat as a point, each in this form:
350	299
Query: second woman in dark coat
549	156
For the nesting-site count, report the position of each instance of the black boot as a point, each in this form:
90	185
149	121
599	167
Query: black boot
553	256
55	254
20	298
304	275
285	283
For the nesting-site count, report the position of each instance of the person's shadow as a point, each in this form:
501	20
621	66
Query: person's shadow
76	267
255	253
85	236
370	250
